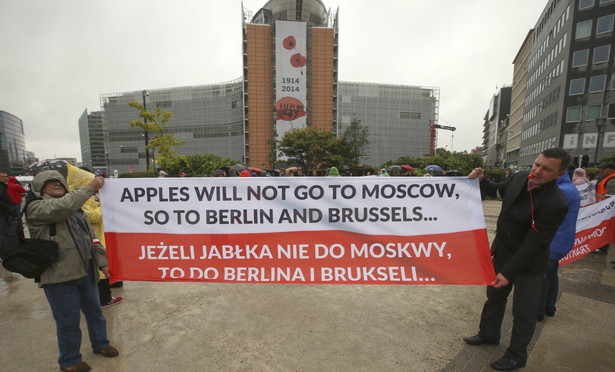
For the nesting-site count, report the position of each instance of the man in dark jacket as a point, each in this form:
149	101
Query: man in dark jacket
70	282
533	207
7	209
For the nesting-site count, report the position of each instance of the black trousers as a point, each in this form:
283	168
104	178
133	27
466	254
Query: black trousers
526	298
104	291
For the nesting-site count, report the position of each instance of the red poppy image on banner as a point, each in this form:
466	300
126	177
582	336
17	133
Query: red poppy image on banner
308	230
289	109
291	64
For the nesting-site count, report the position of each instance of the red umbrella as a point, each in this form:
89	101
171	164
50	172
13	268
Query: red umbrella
407	167
255	170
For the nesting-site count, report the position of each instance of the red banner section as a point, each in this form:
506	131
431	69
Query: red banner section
315	257
589	240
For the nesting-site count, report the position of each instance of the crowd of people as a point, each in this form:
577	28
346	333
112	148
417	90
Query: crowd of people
535	229
328	172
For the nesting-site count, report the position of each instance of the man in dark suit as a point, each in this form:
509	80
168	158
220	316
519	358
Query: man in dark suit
533	207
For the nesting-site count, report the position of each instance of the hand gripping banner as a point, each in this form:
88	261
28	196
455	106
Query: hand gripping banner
303	230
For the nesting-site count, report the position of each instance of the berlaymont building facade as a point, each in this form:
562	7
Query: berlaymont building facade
289	80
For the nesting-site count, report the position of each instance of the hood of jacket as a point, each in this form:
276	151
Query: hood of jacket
334	172
13	179
564	178
39	181
566	234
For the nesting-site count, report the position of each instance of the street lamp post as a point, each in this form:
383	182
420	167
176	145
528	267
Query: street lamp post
145	94
600	125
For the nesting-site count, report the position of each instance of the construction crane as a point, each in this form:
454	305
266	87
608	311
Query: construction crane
433	128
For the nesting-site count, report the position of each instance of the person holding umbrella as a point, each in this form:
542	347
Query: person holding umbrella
436	169
407	170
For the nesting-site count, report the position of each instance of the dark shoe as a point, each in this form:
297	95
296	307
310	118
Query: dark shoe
507	364
116	285
541	317
479	340
108	352
613	262
551	314
79	367
598	251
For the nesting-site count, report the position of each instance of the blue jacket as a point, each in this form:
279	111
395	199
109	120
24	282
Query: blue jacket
566	234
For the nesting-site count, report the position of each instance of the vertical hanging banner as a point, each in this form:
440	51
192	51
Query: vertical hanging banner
595	229
305	230
291	75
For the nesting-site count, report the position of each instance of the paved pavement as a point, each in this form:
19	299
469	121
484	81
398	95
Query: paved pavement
261	327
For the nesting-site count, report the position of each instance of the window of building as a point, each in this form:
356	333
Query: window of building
584	4
584	29
601	54
577	86
409	115
604	24
613	81
605	1
573	114
594	112
597	83
611	113
580	57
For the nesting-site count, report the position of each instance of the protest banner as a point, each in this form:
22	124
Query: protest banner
587	192
595	229
306	230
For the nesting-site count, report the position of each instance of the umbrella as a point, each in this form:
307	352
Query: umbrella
434	168
407	167
394	168
239	168
255	170
49	164
454	172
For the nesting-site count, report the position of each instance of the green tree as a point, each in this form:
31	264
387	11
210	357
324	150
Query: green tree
311	148
161	142
356	138
202	165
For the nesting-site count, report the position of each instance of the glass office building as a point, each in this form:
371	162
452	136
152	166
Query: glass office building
12	144
398	117
208	117
92	141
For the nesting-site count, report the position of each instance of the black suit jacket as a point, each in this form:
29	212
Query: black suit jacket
517	247
6	203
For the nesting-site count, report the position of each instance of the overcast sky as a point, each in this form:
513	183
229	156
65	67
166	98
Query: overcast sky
57	57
